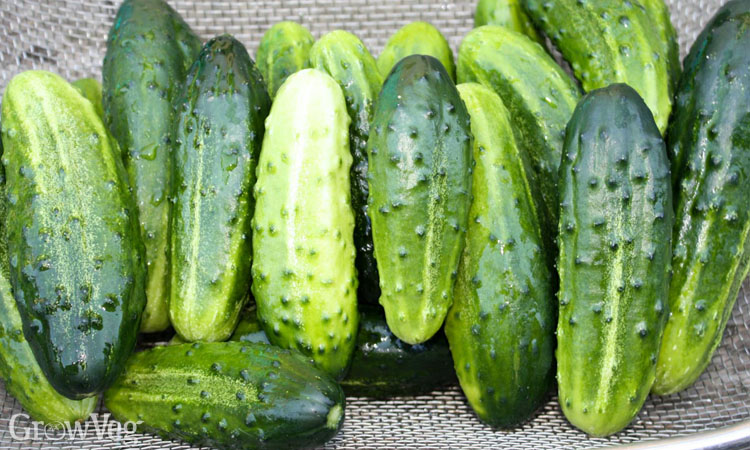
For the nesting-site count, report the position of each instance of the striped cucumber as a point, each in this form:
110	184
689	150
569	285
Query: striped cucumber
709	143
304	280
538	94
416	38
345	58
228	395
502	323
420	183
614	262
75	251
149	51
658	11
508	14
218	134
283	50
607	42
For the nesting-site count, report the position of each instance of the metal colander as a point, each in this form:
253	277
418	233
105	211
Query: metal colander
68	37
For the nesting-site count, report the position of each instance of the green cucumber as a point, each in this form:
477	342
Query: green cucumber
346	59
420	181
416	38
149	51
538	94
383	366
218	134
23	377
75	251
709	143
615	247
229	395
506	13
283	50
304	279
607	42
501	327
658	11
91	90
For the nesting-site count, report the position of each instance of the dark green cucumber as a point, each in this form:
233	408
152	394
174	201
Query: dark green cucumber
23	377
420	181
538	94
91	89
607	42
658	11
229	395
416	38
345	58
508	14
149	51
709	143
283	50
501	327
75	251
304	279
383	366
218	134
615	233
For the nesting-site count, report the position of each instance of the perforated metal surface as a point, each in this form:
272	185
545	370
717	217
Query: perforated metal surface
69	37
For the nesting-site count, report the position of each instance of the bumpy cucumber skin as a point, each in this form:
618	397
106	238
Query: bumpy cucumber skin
283	50
615	249
508	14
149	50
659	12
607	42
304	279
228	395
75	251
218	135
420	182
346	59
383	366
538	94
416	38
91	90
502	323
23	377
709	143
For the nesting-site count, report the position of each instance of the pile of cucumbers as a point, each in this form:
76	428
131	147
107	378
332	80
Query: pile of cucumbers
318	221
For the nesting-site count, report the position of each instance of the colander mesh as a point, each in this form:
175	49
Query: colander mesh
68	37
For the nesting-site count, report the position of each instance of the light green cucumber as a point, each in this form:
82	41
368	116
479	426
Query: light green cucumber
416	38
506	13
304	280
283	50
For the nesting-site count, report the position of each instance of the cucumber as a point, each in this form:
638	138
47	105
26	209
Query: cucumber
614	262
416	38
230	395
149	51
607	42
345	58
76	256
304	280
506	13
538	94
501	327
283	50
218	134
420	181
658	11
709	144
383	366
91	89
23	377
